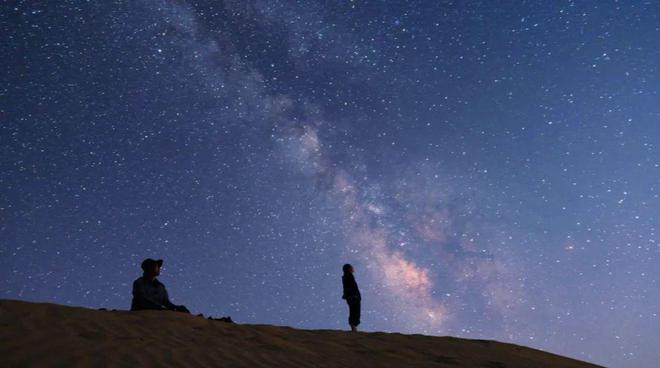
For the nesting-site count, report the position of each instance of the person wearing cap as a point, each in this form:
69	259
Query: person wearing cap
149	293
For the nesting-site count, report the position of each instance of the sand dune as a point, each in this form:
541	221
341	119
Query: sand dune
49	335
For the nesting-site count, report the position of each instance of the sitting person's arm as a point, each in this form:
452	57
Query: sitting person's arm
166	300
171	306
140	298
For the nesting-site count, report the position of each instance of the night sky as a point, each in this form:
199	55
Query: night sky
491	170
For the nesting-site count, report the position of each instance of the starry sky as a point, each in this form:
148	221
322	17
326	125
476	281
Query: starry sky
491	170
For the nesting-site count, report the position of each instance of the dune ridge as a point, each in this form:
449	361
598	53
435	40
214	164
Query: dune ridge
51	335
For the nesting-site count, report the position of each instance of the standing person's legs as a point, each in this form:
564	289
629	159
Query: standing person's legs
354	314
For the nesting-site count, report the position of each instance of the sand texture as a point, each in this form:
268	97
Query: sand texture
50	335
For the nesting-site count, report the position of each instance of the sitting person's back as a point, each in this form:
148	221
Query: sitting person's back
149	293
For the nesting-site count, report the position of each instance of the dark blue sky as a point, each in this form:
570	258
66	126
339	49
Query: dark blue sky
491	170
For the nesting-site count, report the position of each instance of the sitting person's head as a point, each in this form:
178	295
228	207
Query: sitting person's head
151	267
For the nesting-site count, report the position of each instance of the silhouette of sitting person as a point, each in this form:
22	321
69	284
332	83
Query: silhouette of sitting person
149	293
352	296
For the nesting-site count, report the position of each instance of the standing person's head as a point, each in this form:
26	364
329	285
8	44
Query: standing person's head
151	267
347	268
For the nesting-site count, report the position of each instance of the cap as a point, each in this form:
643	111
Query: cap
149	263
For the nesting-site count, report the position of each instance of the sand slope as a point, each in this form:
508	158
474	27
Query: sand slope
49	335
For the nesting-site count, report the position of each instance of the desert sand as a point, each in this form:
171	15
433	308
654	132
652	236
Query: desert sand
50	335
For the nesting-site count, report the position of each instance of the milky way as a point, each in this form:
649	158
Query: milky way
491	171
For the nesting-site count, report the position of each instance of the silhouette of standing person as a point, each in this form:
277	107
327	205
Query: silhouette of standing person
352	297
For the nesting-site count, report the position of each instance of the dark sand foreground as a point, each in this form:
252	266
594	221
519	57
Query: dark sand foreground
50	335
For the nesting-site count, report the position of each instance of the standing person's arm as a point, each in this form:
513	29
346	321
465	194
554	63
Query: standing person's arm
350	287
345	286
